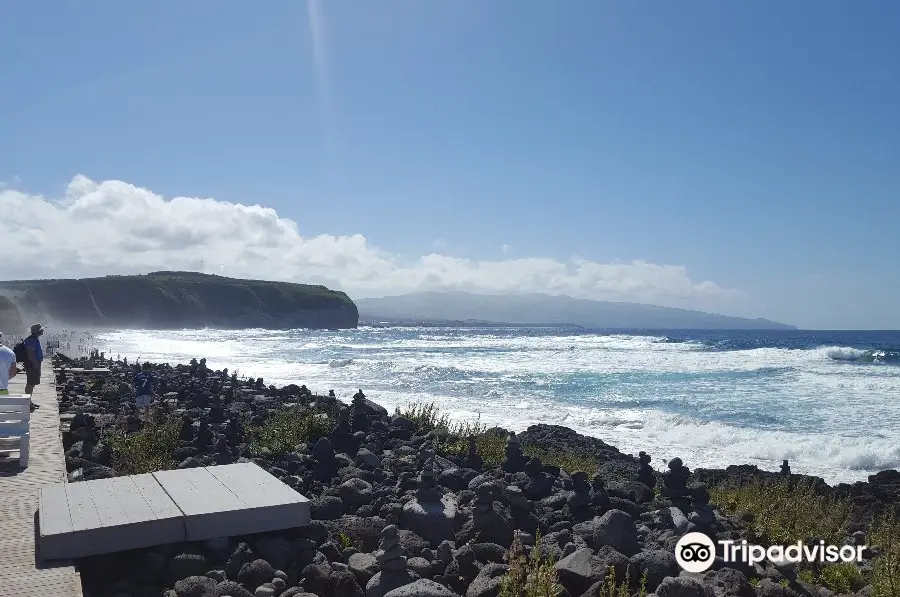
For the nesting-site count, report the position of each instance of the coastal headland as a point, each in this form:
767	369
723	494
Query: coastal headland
173	300
411	504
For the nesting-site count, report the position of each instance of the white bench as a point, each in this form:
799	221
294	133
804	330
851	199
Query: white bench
15	421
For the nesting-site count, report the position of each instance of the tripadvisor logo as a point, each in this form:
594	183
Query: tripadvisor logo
695	552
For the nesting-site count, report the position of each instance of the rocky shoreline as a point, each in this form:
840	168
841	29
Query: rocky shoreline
397	511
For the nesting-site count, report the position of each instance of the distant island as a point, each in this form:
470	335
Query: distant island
463	308
173	300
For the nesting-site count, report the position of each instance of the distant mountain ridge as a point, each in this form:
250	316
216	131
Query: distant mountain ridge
545	309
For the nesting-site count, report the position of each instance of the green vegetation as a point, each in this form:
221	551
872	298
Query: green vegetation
611	589
147	451
344	540
785	512
453	438
843	577
529	575
567	461
287	428
109	389
427	417
174	299
884	535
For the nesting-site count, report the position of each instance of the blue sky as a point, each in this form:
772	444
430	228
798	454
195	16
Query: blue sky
756	144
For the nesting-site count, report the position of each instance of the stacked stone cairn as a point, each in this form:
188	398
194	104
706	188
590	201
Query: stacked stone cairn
579	501
514	460
391	556
391	559
599	498
785	468
342	437
358	407
431	514
675	483
473	459
428	491
702	518
645	471
491	521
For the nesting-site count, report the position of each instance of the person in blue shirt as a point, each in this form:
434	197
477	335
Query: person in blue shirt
35	358
143	388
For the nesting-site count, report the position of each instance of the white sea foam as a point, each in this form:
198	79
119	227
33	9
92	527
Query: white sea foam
827	414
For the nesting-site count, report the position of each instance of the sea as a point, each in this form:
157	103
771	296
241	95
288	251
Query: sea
828	402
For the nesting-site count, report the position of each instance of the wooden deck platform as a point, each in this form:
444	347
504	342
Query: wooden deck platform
95	370
109	515
22	574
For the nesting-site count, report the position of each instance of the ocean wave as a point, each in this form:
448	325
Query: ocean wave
858	355
824	402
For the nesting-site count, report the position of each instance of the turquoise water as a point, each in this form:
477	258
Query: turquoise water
827	401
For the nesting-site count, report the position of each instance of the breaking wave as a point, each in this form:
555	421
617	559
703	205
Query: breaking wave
823	400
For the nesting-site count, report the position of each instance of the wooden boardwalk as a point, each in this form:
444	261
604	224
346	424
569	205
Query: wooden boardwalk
21	574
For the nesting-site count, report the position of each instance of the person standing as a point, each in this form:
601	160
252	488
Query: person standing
35	354
8	368
143	389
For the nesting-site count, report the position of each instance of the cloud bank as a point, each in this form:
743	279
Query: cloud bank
112	227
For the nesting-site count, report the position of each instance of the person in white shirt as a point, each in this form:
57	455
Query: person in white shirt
8	368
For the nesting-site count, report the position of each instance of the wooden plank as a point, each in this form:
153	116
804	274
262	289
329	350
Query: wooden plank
206	503
23	571
81	507
214	508
54	514
254	486
156	497
118	518
115	505
195	491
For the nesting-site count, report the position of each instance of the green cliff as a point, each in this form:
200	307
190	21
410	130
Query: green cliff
167	300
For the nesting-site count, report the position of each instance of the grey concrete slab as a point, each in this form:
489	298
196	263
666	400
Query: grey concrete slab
109	515
106	515
235	499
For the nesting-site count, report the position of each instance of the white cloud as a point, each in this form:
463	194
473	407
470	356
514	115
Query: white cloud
106	227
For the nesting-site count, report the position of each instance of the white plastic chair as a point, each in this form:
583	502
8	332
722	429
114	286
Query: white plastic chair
15	423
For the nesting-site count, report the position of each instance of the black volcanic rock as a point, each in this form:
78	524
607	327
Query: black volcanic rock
567	440
586	523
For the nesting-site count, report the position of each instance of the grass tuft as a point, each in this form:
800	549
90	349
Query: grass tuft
529	576
611	589
491	442
287	428
146	451
344	540
842	578
567	461
426	416
884	535
785	512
